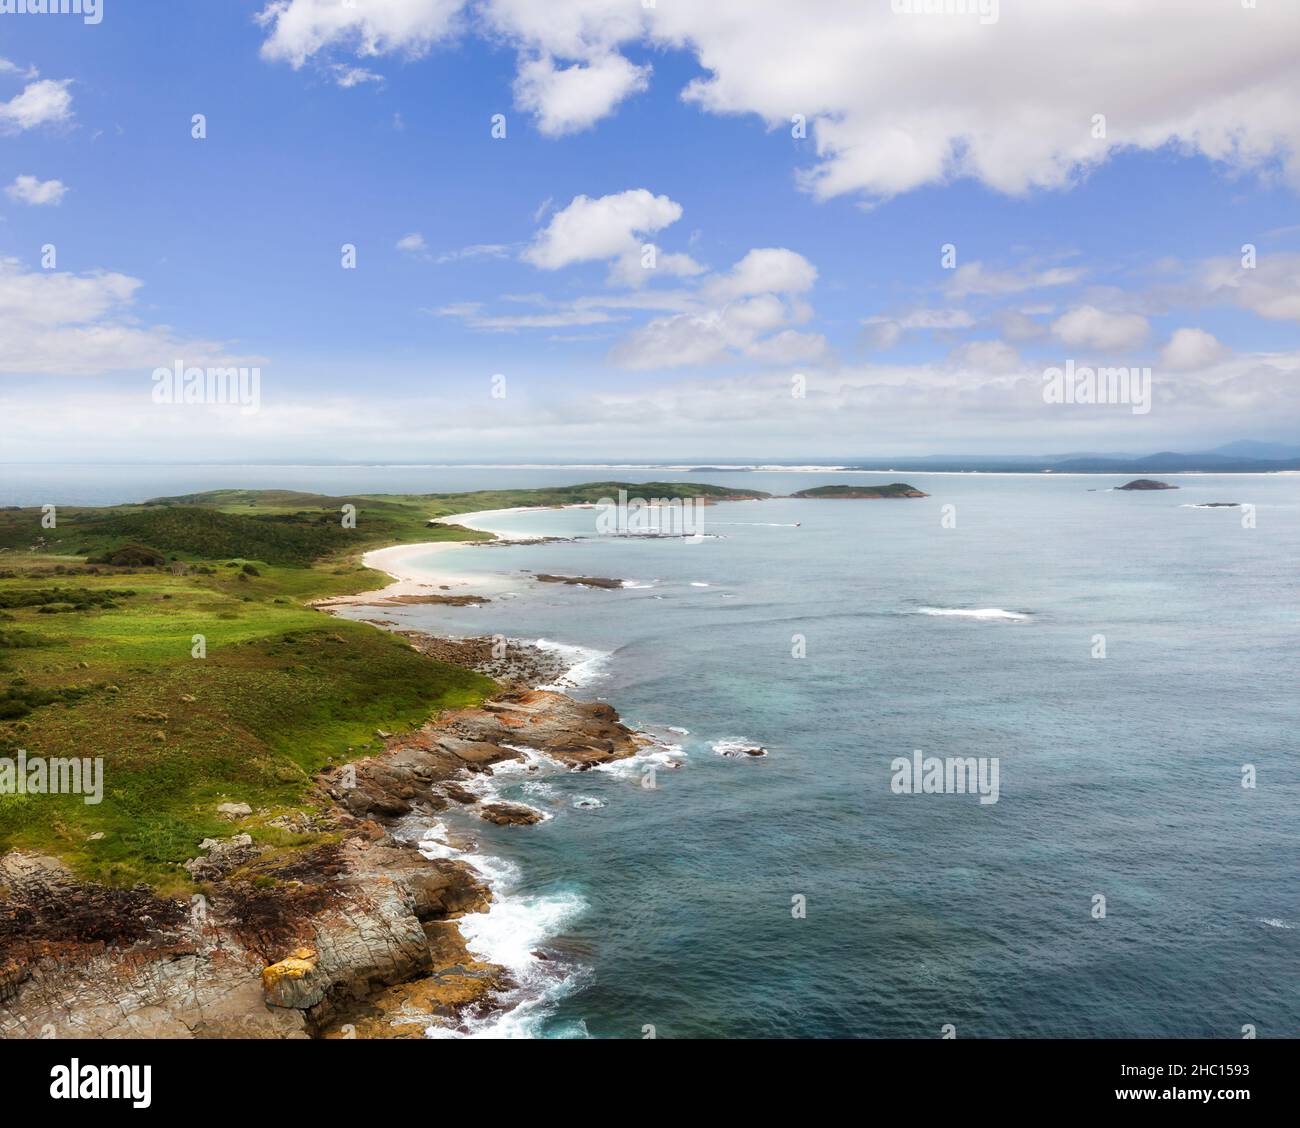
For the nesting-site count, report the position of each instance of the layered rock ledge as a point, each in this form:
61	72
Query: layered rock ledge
352	937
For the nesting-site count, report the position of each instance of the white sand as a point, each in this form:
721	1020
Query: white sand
408	563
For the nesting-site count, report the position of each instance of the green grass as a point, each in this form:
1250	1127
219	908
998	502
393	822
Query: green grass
283	691
97	661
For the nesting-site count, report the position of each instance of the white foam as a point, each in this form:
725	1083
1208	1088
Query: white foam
985	613
1275	922
588	803
585	664
508	935
634	586
737	748
660	754
698	583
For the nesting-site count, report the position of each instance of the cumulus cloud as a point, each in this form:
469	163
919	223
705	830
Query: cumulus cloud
608	227
746	311
45	102
1016	108
61	323
300	29
568	99
866	78
1089	327
38	193
1191	348
767	270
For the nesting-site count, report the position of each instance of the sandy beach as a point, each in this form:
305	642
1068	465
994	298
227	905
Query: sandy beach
411	578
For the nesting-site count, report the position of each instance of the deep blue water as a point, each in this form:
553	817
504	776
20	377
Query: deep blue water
1118	776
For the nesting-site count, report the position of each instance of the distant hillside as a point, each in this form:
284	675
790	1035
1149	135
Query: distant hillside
293	528
1171	462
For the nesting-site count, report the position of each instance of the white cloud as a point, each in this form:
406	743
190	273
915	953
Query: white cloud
572	29
864	77
1271	288
860	411
568	99
476	251
38	193
733	316
300	29
1019	324
1089	327
973	278
591	230
46	102
82	325
886	332
985	357
347	77
473	316
1191	349
884	124
8	67
789	347
765	270
413	244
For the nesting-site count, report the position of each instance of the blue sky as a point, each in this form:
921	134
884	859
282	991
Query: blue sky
776	256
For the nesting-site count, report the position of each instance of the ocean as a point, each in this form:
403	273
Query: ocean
800	894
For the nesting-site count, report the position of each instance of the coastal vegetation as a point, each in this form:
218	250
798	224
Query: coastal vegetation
856	492
176	639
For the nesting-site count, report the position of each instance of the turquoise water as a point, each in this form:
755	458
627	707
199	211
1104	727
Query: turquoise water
1119	776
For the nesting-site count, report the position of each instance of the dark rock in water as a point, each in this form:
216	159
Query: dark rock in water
1146	484
1219	505
581	581
459	793
510	814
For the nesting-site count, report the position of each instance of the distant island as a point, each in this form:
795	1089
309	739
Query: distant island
854	493
1146	484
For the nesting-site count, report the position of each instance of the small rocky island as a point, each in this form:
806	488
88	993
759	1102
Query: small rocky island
854	493
1146	484
578	581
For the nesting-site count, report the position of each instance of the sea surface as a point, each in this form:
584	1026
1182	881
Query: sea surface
839	636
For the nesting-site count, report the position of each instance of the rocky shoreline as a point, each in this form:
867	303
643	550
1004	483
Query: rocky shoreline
354	936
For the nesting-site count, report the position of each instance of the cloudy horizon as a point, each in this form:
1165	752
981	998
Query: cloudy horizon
446	231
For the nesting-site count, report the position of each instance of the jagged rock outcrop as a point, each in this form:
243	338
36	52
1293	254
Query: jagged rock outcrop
356	933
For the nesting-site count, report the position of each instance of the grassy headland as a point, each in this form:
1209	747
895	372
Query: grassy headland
859	492
97	623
